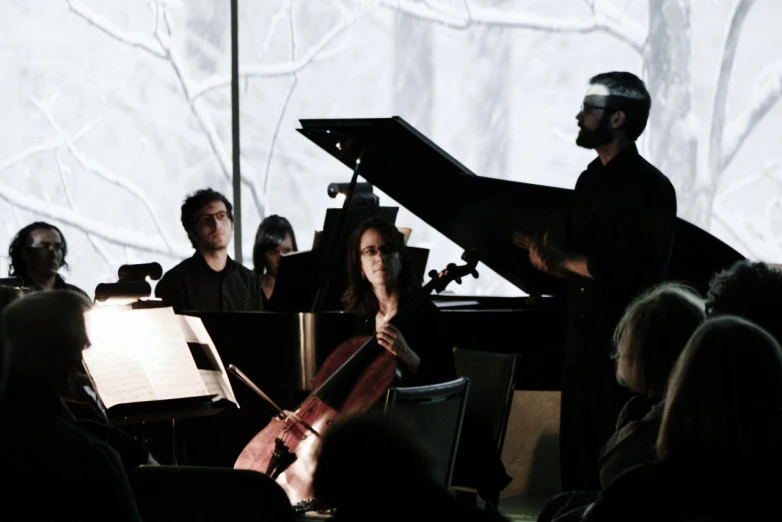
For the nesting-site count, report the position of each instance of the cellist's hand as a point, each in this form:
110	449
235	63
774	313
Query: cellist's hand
390	338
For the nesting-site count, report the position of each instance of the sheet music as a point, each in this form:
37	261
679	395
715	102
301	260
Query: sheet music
211	379
140	355
196	332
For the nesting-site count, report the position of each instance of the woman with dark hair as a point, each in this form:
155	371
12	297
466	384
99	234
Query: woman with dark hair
274	237
381	281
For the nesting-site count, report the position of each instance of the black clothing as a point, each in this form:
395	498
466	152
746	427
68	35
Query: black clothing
480	464
633	443
52	470
193	285
622	220
635	439
698	484
59	284
426	336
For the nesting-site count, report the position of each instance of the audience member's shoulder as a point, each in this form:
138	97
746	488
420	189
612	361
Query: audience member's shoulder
635	409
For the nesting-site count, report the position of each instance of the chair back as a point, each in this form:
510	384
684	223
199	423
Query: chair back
436	412
492	382
201	493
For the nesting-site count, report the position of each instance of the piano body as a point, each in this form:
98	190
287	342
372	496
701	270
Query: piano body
281	351
481	214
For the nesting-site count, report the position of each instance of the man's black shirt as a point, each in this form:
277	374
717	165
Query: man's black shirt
193	285
622	220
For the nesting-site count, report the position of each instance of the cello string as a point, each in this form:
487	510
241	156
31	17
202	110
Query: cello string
246	380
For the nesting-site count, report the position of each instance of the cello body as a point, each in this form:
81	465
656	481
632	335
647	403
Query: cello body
286	450
354	378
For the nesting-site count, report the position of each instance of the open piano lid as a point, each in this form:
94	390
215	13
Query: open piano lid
481	213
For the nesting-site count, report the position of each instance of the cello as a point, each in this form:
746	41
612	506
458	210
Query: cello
352	379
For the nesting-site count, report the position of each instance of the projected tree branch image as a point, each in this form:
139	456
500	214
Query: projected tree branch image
118	109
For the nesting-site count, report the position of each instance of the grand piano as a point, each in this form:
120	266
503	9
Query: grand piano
281	351
479	213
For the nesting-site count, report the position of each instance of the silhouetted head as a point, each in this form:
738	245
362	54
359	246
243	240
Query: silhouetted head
652	334
365	457
725	393
751	290
44	334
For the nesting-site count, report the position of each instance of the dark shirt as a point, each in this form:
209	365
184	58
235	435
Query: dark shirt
59	284
699	484
635	439
53	470
622	220
193	285
424	332
83	411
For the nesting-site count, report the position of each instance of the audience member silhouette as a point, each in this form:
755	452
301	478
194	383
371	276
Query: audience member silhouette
718	447
648	339
370	468
751	290
53	469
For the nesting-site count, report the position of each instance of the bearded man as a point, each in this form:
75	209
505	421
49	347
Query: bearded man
619	238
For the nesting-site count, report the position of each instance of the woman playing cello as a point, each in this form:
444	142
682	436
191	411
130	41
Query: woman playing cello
381	281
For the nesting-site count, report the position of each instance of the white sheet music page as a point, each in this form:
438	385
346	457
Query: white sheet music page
216	380
140	355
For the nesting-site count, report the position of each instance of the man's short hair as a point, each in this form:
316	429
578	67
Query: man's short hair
196	201
750	290
629	94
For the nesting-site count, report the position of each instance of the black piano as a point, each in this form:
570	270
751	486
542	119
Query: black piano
281	351
481	214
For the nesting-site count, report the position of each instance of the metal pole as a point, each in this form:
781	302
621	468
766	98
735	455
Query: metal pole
237	175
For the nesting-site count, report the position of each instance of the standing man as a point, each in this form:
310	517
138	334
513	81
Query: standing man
619	239
210	280
37	253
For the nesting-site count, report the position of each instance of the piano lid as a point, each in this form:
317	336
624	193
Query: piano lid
481	213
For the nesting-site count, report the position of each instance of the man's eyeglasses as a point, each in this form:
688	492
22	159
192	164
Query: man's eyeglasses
588	107
372	251
205	219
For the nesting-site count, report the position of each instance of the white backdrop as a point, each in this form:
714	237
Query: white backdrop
115	109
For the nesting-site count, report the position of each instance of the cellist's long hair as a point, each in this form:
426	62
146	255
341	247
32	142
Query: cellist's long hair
359	298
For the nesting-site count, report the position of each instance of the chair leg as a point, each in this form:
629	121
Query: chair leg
492	503
466	498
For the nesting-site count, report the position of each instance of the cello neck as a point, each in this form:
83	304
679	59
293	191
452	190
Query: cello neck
363	355
437	282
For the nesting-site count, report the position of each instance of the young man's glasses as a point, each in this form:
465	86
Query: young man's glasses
205	219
